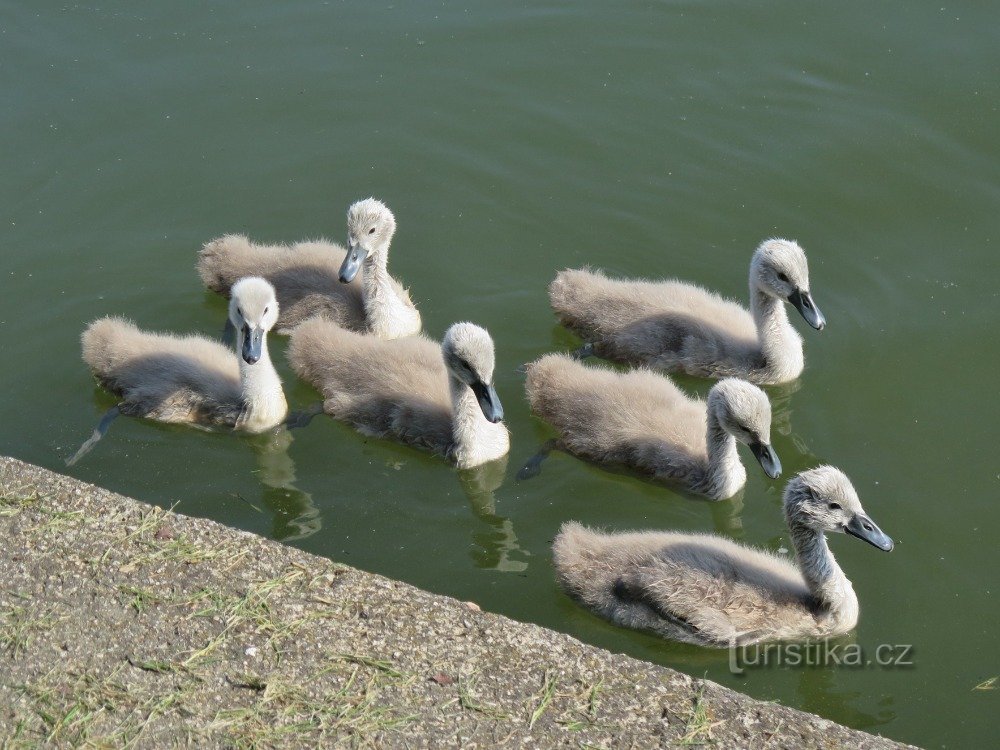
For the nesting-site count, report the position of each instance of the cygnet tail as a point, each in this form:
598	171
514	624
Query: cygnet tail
571	293
224	261
106	342
546	377
574	556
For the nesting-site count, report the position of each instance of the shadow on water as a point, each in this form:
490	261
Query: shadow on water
495	548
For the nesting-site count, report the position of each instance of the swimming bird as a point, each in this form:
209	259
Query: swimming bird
676	326
641	420
434	396
707	590
191	379
321	278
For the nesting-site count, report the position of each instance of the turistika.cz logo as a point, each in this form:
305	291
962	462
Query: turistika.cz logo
821	654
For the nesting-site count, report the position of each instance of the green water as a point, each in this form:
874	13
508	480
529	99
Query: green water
513	140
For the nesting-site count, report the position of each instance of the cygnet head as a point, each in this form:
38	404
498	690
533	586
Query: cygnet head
370	226
823	499
779	269
468	355
744	412
253	311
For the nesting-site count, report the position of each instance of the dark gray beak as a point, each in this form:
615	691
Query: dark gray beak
863	527
489	401
803	302
767	458
352	263
253	344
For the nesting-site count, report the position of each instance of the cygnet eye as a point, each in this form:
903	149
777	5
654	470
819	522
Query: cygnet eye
239	312
834	506
265	310
371	231
783	277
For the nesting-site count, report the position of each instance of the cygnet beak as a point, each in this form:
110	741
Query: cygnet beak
865	528
489	401
352	262
767	458
803	302
253	344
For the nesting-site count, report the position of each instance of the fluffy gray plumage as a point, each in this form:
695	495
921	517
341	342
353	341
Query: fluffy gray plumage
411	389
306	276
703	589
677	326
641	420
192	379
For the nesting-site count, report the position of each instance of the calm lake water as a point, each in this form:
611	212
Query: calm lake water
513	140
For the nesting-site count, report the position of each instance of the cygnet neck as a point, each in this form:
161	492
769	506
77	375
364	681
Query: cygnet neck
263	398
822	574
476	439
726	473
780	344
388	316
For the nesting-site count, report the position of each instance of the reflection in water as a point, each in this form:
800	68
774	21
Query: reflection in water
819	695
493	548
727	515
781	414
294	514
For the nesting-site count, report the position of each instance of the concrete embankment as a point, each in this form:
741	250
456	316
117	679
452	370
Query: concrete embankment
124	624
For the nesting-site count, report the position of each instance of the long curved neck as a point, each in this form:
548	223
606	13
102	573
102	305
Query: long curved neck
780	343
263	399
726	474
388	315
476	439
823	575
